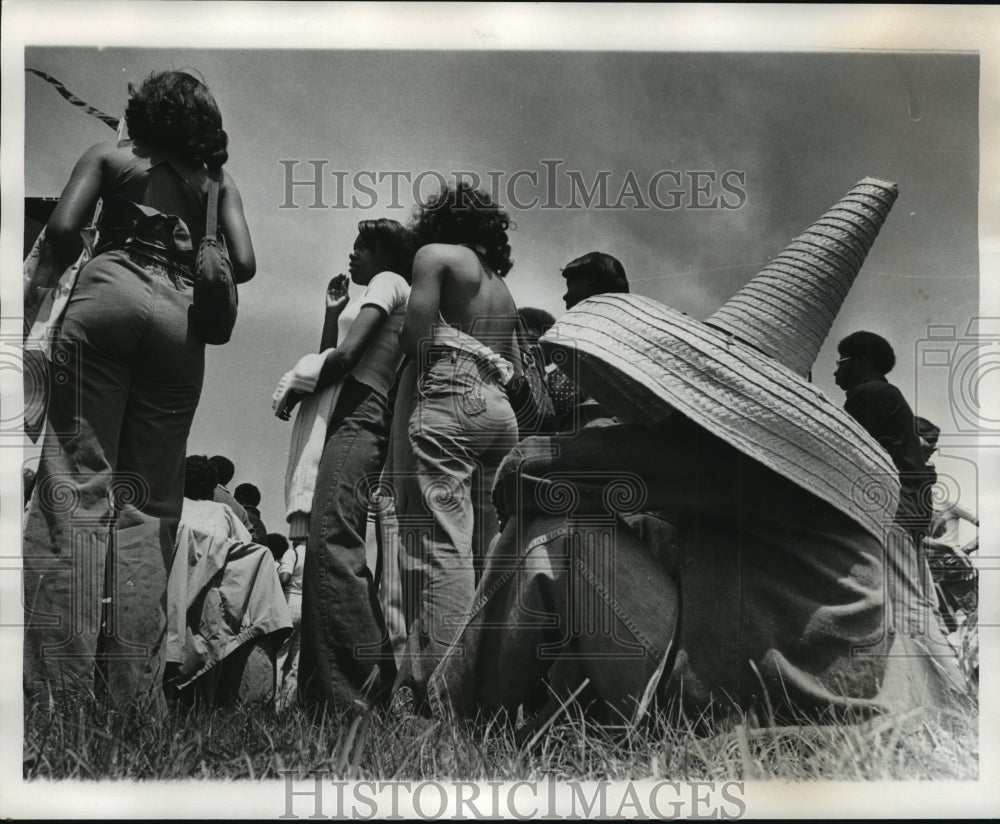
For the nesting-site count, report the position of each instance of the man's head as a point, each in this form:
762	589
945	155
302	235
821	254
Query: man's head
928	433
536	321
277	543
224	468
247	495
465	216
593	274
864	356
199	478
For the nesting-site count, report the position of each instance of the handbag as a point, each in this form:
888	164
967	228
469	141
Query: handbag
528	390
215	298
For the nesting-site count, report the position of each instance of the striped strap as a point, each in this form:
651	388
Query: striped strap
106	119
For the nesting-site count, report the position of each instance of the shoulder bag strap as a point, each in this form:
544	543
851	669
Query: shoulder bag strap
212	207
212	210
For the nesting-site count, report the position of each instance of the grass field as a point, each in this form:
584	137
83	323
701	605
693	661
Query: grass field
92	740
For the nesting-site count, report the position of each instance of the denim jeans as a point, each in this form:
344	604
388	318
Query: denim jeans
397	483
560	601
460	431
345	653
780	601
126	383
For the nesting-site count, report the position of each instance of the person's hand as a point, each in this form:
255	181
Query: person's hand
336	293
290	401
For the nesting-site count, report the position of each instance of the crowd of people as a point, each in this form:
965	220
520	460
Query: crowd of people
676	516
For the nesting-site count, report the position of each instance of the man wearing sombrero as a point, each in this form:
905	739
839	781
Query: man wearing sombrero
786	593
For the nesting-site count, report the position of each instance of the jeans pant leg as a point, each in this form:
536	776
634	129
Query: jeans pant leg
149	485
67	525
463	423
561	601
121	318
345	653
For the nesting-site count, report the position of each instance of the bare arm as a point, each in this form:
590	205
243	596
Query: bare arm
76	205
961	512
234	227
328	339
336	302
429	270
343	359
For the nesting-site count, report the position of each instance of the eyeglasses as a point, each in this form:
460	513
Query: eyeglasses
842	361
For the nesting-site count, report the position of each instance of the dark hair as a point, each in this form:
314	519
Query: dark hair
606	273
393	240
277	543
175	112
537	321
224	468
247	494
199	478
469	217
928	431
874	348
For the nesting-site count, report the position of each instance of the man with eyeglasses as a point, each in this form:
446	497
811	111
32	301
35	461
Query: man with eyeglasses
865	359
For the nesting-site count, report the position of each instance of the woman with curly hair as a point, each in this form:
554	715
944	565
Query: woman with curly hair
460	329
99	536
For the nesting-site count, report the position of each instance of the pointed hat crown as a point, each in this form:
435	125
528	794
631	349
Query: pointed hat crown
787	310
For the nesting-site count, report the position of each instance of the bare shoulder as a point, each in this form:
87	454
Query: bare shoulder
444	252
107	153
456	260
228	185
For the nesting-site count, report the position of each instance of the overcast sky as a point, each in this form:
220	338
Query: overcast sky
802	127
794	132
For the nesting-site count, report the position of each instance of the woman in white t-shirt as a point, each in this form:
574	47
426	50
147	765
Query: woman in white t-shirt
345	653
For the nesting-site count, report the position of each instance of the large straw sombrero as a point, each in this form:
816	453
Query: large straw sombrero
743	372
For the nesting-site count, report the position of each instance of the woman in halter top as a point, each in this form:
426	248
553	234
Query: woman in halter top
127	376
459	328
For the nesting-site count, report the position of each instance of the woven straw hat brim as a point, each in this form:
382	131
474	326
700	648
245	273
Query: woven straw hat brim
640	359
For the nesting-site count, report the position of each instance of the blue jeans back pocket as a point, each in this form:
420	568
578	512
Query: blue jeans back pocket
473	402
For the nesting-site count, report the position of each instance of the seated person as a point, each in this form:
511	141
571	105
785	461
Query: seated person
778	604
248	496
226	613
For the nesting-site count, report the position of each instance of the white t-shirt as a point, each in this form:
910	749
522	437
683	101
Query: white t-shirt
377	367
293	562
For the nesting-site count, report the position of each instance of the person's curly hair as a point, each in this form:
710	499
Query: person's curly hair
874	347
174	112
199	478
247	495
467	216
278	544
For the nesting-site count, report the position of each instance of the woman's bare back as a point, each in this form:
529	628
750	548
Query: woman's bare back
476	300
